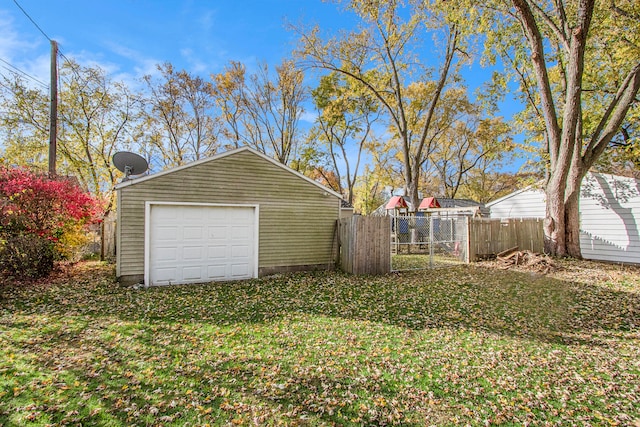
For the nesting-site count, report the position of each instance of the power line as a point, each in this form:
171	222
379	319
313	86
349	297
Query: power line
24	73
72	64
45	34
31	19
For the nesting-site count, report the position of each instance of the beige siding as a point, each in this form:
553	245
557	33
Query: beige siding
297	218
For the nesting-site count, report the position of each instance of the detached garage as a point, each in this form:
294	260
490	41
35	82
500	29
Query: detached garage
237	215
200	243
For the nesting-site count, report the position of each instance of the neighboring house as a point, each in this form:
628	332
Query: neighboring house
346	209
236	215
447	203
400	205
609	215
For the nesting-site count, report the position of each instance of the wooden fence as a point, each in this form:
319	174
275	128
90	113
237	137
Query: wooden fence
489	236
365	245
365	241
107	234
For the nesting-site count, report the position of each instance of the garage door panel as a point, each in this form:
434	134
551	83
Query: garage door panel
190	244
216	216
192	253
192	232
218	233
166	215
165	275
239	270
244	215
194	213
240	232
240	251
217	252
167	254
217	272
191	273
167	233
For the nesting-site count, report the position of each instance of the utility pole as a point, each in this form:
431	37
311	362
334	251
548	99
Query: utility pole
53	109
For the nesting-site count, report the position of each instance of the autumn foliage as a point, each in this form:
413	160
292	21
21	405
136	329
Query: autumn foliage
40	220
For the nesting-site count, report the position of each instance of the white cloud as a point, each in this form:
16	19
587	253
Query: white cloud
207	20
8	37
196	65
30	55
141	65
309	116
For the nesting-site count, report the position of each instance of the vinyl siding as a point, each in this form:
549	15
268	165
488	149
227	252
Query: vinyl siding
521	204
296	218
609	215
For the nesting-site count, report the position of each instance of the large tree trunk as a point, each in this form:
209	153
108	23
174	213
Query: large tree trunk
572	222
562	224
572	200
412	193
554	222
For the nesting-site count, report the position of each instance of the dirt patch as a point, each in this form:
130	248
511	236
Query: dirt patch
568	269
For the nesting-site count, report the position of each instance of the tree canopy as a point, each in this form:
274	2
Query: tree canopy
379	106
578	67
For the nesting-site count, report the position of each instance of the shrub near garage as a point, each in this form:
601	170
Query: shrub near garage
40	216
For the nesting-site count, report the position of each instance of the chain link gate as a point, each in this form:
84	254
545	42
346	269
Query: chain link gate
428	240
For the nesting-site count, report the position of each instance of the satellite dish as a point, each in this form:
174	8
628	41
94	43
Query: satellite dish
130	163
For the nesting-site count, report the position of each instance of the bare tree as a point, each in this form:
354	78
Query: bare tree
382	58
179	118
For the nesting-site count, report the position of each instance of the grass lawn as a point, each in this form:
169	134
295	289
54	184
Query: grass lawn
402	262
462	345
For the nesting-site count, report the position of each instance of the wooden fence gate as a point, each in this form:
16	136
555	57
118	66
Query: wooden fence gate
365	245
108	238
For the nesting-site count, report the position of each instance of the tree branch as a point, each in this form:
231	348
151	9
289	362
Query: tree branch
613	117
530	27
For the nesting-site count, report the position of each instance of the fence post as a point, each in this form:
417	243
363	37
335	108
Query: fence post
430	240
467	227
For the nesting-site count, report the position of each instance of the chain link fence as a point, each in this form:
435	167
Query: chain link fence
428	240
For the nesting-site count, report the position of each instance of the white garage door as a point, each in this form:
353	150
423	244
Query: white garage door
197	244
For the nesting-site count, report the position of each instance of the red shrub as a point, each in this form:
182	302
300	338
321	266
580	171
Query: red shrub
36	207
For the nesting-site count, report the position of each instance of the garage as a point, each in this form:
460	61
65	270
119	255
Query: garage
193	243
236	215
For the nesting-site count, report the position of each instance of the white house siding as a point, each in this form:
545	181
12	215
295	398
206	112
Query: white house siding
527	203
610	209
609	215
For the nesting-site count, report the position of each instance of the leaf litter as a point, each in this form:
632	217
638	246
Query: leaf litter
467	345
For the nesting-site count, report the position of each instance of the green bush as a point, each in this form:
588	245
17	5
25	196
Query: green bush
26	256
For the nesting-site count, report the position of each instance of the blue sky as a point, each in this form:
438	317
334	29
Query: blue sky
128	38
